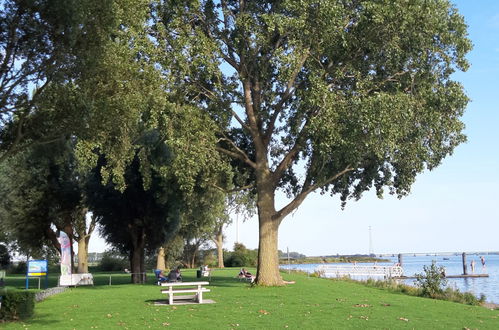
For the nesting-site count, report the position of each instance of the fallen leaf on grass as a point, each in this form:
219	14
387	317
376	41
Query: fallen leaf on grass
364	317
403	319
109	315
263	311
362	305
165	324
384	304
340	299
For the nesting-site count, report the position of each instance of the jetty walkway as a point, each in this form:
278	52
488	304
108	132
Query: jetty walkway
371	271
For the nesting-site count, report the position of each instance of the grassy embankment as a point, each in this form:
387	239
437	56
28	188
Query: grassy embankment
309	303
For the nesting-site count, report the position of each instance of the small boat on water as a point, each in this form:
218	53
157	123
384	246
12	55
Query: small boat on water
446	258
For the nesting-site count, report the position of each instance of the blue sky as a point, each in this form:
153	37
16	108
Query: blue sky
453	208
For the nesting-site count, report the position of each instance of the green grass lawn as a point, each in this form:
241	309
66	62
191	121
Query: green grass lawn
310	303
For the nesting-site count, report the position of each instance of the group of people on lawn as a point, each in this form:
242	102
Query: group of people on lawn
247	275
173	276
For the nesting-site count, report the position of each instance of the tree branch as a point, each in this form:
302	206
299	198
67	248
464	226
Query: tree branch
284	98
228	191
243	157
282	213
240	121
290	156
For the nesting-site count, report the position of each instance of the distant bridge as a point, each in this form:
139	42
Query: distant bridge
438	253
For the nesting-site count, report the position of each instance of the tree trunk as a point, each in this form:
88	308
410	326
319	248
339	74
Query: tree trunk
83	255
219	241
160	262
268	258
193	257
137	253
83	236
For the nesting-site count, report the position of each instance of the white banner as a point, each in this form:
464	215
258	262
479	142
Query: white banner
65	253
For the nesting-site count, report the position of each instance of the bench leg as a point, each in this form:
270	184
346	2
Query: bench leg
170	298
200	297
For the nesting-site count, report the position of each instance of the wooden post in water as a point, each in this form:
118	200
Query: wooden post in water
400	259
465	267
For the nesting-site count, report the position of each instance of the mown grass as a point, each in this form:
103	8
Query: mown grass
310	303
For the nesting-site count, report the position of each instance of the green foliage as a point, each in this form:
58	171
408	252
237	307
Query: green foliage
208	258
147	212
448	294
336	96
16	304
4	257
111	262
241	257
41	192
44	46
432	281
18	268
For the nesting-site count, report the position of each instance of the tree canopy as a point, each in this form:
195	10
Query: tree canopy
337	96
44	46
41	191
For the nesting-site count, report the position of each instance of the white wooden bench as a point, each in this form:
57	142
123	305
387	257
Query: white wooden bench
185	287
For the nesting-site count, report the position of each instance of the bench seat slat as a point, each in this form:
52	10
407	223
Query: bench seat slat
186	291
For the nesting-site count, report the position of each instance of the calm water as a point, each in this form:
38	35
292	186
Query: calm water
454	266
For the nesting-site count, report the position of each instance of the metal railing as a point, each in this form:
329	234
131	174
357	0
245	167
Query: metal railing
341	271
143	277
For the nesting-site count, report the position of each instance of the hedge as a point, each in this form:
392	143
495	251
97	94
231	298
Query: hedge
16	304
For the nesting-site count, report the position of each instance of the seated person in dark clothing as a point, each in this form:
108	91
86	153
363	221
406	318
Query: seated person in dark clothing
245	274
174	275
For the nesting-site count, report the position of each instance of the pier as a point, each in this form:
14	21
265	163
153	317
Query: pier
463	275
446	276
371	271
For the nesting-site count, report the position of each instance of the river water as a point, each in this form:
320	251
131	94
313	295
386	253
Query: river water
489	286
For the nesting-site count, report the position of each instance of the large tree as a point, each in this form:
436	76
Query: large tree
333	95
141	215
41	192
44	46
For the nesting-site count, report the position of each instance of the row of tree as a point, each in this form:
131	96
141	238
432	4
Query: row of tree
174	100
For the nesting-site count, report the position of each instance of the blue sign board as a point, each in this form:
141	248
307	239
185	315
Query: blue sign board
37	268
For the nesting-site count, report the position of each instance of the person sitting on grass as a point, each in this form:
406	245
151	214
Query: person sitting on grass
174	275
160	275
245	274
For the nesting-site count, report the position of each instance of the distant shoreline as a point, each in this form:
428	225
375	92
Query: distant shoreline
323	260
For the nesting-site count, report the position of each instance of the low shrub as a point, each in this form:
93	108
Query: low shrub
17	268
16	304
448	294
110	263
432	281
241	257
